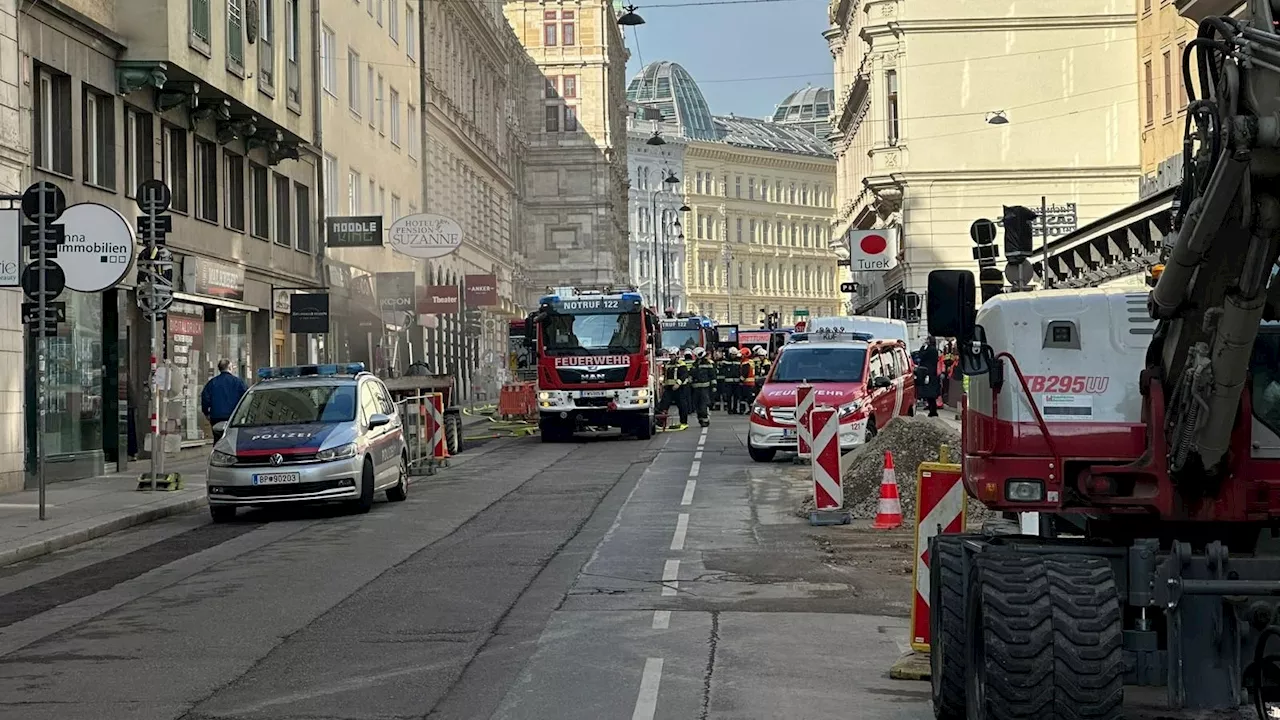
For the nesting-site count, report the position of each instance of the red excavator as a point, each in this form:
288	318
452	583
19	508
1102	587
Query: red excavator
1145	430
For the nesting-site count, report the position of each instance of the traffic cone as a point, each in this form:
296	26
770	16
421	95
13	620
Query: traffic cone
889	512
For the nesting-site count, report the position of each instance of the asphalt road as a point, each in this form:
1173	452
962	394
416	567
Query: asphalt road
604	578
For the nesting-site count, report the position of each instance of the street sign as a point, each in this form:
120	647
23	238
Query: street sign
1019	274
801	312
153	197
849	287
55	281
31	311
98	247
982	231
43	201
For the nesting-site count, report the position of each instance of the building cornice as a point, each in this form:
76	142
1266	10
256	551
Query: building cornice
723	153
898	28
1037	174
82	22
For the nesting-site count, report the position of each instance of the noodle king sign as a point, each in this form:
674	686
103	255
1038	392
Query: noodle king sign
425	236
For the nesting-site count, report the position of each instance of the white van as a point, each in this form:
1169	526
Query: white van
878	328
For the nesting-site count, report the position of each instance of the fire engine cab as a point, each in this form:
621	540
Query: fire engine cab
596	366
867	379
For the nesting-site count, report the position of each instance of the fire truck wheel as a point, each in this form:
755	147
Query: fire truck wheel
551	431
1009	659
947	652
1087	631
763	455
645	427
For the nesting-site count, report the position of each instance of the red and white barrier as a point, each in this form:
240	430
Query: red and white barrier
439	448
828	493
804	408
940	507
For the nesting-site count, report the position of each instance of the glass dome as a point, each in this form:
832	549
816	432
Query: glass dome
809	108
670	89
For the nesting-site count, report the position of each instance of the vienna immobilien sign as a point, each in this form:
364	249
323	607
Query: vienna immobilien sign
425	235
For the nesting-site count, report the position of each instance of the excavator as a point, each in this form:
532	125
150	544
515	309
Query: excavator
1144	429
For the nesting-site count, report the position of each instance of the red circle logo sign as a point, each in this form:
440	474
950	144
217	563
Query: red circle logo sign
873	244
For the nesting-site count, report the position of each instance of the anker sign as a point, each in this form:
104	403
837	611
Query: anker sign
359	231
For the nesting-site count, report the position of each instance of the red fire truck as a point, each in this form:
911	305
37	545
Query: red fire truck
596	363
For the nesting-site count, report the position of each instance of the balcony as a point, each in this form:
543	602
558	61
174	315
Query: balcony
223	66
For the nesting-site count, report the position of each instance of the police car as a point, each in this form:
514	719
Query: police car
868	380
311	433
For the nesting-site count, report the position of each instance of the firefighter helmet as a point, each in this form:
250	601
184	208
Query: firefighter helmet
760	351
699	352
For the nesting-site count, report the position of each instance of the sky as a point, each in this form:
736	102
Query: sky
730	48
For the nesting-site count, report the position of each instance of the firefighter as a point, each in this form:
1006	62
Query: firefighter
703	381
674	373
685	396
746	384
717	394
731	365
762	367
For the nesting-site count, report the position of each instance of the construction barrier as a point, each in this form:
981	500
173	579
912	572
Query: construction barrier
423	425
828	490
804	406
439	444
941	505
517	400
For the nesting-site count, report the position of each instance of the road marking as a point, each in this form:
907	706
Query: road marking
670	578
702	441
647	702
688	492
697	455
661	619
682	529
693	470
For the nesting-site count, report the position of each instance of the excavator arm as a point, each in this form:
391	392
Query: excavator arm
1214	289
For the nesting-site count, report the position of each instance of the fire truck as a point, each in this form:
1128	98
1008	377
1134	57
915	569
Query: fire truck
595	351
686	331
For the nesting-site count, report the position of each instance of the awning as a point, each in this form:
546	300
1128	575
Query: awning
1122	243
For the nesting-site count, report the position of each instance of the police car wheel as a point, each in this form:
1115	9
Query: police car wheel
365	503
222	513
400	491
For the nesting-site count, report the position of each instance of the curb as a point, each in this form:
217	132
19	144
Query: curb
100	528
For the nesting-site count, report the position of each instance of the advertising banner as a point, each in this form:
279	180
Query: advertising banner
395	291
349	232
438	300
309	313
482	291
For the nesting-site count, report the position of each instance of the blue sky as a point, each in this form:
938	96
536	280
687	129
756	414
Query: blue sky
724	45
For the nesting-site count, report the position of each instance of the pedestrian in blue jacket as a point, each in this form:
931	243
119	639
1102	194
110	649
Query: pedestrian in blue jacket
221	393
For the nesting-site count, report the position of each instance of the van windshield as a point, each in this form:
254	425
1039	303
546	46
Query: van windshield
818	365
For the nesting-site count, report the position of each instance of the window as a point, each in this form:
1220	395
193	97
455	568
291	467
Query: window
235	34
393	21
549	28
368	6
737	186
570	119
724	186
1168	84
302	215
353	81
570	84
233	181
413	131
804	194
174	166
553	118
395	117
330	185
284	218
395	207
751	188
373	198
52	113
568	34
379	13
751	231
328	63
267	44
139	150
1182	88
200	20
206	180
291	49
261	201
1151	90
891	107
373	96
353	192
1146	6
382	108
382	200
410	33
99	139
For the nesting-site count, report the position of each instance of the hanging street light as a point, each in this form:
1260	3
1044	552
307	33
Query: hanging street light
630	18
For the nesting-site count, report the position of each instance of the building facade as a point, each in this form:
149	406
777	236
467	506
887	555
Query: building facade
575	166
1162	38
13	159
923	146
216	101
657	247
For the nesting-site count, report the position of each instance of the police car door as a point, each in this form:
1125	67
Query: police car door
375	438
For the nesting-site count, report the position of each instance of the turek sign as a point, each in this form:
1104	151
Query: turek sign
425	235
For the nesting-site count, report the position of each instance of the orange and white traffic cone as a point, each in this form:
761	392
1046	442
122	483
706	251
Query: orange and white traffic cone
889	512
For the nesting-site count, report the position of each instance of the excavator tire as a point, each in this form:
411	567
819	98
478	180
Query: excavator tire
1087	629
947	653
1009	668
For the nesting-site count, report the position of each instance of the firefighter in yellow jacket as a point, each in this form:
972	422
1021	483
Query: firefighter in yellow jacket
675	381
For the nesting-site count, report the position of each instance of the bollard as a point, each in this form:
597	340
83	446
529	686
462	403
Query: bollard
828	490
944	454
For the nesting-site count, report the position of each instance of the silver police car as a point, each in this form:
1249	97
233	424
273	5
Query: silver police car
312	433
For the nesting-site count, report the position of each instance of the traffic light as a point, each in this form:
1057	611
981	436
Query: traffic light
1019	236
992	282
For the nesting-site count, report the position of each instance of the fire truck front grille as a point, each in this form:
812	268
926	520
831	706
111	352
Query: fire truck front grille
591	402
587	377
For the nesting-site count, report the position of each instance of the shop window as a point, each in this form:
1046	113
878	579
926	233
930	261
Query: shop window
52	113
284	216
139	149
185	333
261	201
233	180
302	215
174	165
206	180
99	139
74	399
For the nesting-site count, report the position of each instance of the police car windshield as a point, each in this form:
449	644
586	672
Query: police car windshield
682	338
589	334
298	405
815	365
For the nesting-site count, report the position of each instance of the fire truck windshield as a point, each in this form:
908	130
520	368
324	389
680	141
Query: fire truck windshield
682	338
596	333
818	364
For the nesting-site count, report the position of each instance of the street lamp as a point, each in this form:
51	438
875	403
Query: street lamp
630	18
997	118
655	139
659	260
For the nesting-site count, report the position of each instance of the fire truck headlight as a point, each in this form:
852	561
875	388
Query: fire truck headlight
544	396
760	411
1024	490
848	410
642	394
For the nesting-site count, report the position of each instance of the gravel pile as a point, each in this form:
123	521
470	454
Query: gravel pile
911	440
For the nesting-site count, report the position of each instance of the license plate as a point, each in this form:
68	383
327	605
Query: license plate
788	433
276	478
596	393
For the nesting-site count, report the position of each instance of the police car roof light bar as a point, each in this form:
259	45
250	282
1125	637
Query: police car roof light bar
293	371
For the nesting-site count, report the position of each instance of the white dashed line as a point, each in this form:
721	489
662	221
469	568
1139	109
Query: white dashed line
647	702
661	619
693	469
682	529
670	578
697	455
688	492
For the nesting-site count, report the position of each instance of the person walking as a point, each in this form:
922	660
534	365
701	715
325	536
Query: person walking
704	381
931	387
220	396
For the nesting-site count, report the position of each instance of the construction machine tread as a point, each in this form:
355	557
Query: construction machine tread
1011	642
1087	630
947	651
